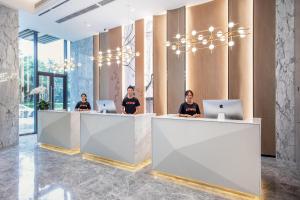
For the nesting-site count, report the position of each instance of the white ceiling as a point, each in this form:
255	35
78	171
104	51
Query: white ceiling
111	15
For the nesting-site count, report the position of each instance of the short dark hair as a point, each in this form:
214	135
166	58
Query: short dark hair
83	94
187	93
130	87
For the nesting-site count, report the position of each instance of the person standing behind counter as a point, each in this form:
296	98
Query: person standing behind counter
130	103
189	108
83	105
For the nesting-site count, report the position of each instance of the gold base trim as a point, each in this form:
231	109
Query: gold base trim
115	163
60	149
203	186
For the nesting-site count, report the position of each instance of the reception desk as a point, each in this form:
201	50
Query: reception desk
225	155
59	131
120	140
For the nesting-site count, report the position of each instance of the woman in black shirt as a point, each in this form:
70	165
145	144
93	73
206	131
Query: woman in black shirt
83	105
189	108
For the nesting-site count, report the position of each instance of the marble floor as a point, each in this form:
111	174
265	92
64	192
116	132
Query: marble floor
28	172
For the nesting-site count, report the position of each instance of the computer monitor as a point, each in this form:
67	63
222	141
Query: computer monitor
232	109
106	106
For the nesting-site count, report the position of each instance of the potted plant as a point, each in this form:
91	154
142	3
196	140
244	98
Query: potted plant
42	104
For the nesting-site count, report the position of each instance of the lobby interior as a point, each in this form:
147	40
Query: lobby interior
228	52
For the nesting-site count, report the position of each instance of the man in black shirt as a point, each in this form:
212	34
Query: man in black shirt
130	103
83	105
189	108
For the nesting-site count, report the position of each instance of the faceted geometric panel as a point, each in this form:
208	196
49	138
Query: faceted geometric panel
225	154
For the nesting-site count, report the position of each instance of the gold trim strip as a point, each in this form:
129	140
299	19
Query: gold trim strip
203	186
115	163
60	149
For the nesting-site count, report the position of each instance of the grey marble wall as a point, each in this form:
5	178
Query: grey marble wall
81	79
285	80
9	70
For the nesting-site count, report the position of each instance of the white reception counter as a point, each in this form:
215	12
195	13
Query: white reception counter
59	129
223	154
116	139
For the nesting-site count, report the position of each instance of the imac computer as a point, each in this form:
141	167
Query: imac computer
229	109
106	106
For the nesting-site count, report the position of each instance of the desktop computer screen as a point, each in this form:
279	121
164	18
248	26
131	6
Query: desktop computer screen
232	109
106	106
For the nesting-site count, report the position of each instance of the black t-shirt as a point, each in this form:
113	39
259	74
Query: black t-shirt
190	109
130	104
83	105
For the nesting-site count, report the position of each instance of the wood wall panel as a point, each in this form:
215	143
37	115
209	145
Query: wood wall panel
111	76
175	64
96	71
240	69
264	71
159	64
139	64
207	72
104	70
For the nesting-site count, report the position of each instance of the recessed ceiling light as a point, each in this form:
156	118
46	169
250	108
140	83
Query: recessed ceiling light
88	25
132	9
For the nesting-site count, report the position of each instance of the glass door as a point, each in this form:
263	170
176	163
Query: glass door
58	93
55	93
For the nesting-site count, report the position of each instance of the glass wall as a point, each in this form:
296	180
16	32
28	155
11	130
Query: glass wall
26	106
50	55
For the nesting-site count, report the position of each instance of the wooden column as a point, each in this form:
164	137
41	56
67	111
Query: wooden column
111	76
96	71
240	69
207	72
175	63
264	71
159	64
139	64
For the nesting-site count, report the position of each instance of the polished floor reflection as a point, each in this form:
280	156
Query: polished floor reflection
28	172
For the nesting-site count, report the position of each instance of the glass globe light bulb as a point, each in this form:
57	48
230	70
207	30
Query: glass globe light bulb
168	43
200	37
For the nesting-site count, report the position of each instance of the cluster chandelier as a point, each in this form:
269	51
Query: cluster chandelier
117	56
207	39
67	66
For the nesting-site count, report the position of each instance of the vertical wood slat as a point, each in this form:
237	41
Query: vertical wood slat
139	63
111	76
175	64
240	69
207	72
264	71
159	65
96	71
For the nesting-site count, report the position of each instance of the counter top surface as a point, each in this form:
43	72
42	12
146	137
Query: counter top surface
246	121
97	113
